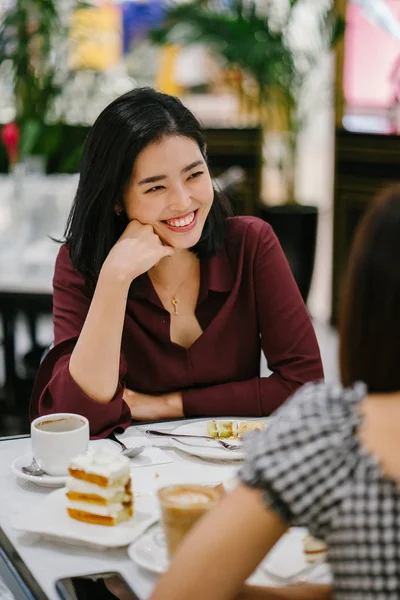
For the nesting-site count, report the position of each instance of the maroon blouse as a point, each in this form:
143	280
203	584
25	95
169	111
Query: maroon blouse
248	302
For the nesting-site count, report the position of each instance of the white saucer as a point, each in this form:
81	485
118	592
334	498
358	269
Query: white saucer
44	480
150	550
285	560
49	518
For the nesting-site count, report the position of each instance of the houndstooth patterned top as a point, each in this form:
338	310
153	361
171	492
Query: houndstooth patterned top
315	473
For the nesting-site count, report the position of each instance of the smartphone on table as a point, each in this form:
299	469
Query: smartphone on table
96	586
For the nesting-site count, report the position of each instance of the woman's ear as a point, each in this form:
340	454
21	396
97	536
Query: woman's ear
118	210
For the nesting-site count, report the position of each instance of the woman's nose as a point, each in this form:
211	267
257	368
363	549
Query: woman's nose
180	199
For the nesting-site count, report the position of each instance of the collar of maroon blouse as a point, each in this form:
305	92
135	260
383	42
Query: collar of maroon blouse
215	275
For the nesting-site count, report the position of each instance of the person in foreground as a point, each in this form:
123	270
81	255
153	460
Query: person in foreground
162	303
329	461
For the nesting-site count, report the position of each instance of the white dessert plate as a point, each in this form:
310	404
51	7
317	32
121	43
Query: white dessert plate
44	480
50	519
283	562
286	561
208	449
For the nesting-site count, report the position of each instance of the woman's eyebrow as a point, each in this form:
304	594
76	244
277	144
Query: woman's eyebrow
155	178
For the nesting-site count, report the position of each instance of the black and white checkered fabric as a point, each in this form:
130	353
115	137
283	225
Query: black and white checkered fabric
315	474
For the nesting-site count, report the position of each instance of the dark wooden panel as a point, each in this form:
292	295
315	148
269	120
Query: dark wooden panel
364	164
238	147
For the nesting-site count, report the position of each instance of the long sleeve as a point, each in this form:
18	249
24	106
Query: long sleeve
55	390
287	340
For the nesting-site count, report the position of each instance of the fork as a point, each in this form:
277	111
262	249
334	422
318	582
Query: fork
188	435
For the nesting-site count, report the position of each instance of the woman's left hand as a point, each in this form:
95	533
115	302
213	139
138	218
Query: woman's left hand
145	407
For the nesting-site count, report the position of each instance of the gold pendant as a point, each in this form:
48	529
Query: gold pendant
174	302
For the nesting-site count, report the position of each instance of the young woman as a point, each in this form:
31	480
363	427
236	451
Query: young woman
330	460
162	304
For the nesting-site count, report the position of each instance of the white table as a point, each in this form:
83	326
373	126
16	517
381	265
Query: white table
49	561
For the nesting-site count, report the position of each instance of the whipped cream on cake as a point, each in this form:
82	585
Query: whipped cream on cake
314	549
99	488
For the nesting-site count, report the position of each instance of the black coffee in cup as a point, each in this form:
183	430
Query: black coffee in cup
60	424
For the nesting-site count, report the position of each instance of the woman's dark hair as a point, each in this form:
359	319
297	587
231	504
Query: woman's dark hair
370	316
120	133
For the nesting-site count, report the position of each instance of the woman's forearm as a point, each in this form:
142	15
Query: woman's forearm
309	591
202	567
94	363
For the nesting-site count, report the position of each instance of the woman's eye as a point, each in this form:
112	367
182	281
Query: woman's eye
195	175
154	189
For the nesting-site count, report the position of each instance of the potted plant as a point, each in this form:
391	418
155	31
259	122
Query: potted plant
33	51
270	73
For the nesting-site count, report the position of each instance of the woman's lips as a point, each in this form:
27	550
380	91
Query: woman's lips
182	224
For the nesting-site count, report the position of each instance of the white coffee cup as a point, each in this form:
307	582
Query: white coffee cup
58	438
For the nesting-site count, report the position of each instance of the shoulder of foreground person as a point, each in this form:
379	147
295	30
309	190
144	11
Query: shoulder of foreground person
322	400
305	460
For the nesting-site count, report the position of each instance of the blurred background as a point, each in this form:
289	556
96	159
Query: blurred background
300	101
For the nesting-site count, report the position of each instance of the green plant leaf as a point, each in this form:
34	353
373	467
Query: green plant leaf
70	163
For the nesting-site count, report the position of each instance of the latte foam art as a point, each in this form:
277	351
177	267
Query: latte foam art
187	498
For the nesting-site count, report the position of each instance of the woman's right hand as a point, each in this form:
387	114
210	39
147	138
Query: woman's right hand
138	250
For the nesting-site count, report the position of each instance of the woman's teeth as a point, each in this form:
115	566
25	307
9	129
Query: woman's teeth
182	222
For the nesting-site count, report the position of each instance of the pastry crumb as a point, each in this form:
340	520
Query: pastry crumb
156	476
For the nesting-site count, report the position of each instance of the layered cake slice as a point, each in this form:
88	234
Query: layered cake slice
221	429
232	429
99	488
314	549
250	426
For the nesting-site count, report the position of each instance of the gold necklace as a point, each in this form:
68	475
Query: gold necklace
174	299
174	303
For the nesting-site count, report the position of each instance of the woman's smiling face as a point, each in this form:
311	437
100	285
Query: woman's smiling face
171	190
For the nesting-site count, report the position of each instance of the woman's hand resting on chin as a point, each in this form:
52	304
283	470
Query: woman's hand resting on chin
136	252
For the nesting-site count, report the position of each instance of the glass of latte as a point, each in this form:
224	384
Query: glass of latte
181	507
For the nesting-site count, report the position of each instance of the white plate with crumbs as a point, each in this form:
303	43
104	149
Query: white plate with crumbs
210	449
288	564
51	520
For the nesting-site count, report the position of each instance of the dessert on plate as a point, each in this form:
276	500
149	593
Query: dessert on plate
232	429
314	549
99	488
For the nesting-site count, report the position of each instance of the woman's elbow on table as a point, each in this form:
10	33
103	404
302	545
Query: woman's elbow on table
56	391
